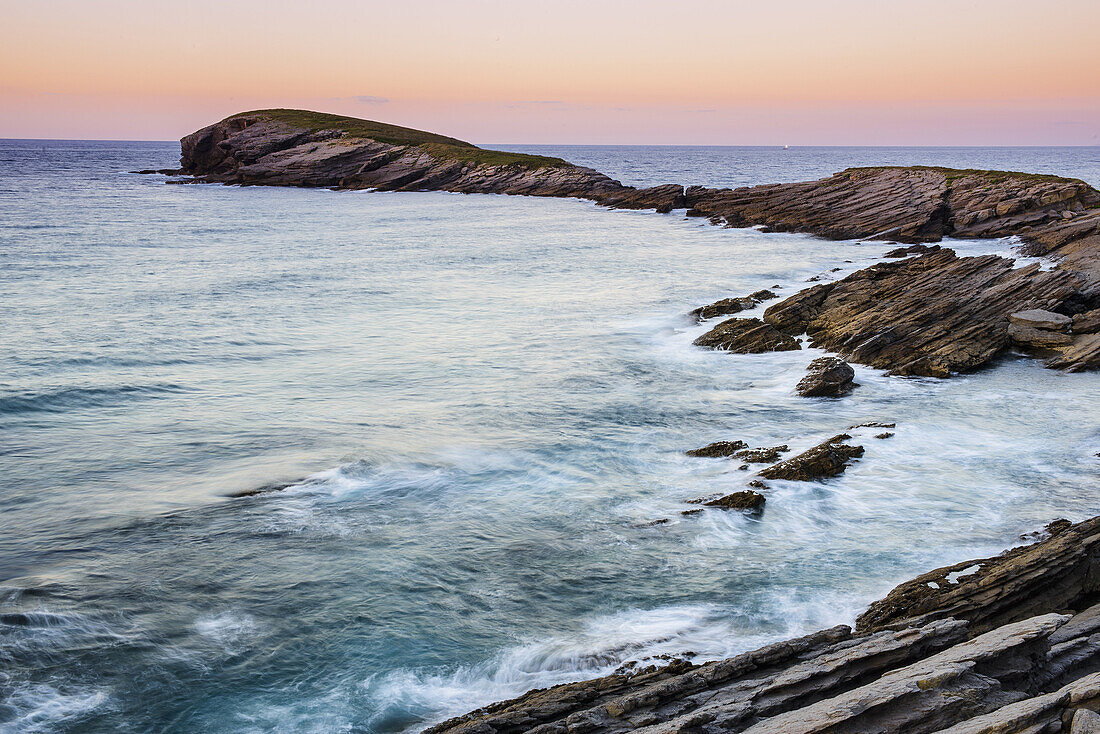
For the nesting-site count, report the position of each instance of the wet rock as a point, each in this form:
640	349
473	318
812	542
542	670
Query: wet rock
762	455
911	250
1051	529
1022	664
757	484
1061	572
872	424
827	459
718	449
1037	318
827	377
263	489
1087	323
696	511
745	467
887	434
725	307
746	336
655	523
728	306
743	500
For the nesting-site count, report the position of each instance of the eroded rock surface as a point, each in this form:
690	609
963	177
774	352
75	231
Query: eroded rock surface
718	449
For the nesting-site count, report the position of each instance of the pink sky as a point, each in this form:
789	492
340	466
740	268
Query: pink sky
799	72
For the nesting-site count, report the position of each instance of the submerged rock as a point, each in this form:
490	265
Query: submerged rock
827	377
718	449
827	459
743	500
762	455
746	336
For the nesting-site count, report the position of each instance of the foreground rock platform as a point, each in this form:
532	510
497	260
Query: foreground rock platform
1013	648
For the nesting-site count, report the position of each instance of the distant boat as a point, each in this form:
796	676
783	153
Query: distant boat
785	147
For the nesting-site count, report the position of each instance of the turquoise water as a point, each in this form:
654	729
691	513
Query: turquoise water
481	403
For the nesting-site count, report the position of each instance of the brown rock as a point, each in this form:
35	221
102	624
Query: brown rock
930	315
718	449
1087	323
827	377
1082	354
743	500
911	250
827	459
1027	336
762	455
746	336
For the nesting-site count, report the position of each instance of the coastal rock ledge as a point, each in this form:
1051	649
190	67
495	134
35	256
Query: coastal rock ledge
1003	645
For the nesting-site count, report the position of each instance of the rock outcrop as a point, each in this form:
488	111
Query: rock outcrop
746	336
744	500
827	377
827	459
728	306
718	449
1027	665
930	315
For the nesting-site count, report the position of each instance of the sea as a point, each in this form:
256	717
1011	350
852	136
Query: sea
472	413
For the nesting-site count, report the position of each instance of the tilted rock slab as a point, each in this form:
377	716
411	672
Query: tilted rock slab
930	315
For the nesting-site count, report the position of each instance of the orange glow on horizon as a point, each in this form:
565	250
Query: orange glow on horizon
565	71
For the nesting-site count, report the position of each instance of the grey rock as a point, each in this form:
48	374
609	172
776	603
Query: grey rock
1038	318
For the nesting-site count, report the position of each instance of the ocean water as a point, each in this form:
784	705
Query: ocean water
480	404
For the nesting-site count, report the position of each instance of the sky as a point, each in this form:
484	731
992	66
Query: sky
692	72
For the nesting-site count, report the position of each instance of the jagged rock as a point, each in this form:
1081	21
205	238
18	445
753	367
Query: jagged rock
718	449
1087	323
743	500
746	336
1027	336
827	377
887	434
1037	318
930	315
725	307
1061	572
827	459
911	250
757	484
695	511
728	306
762	455
872	424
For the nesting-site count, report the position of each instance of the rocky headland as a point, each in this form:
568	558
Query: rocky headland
1002	645
931	313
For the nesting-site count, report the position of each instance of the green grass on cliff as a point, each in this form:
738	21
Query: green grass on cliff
439	146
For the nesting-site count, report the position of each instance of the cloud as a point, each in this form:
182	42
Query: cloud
369	99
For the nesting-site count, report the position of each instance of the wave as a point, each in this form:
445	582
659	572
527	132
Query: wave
626	640
63	399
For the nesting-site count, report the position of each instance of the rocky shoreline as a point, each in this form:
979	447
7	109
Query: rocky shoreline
1009	644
